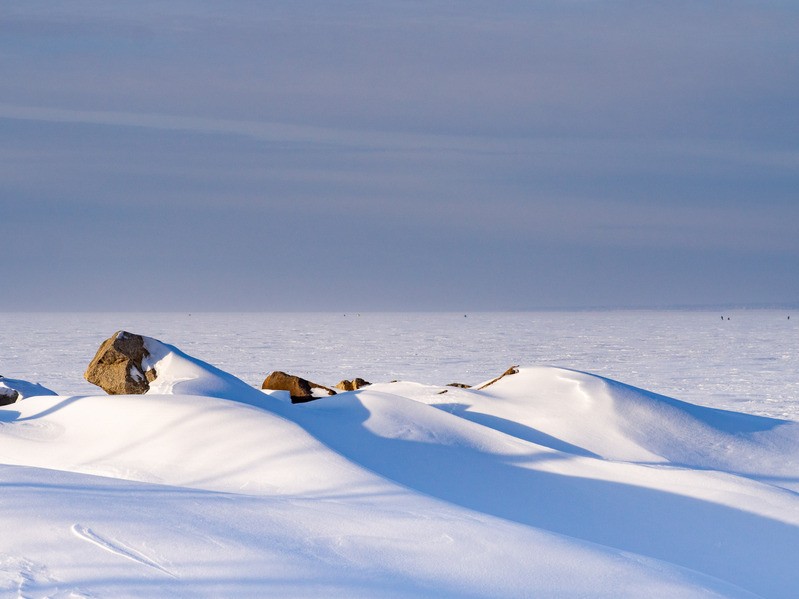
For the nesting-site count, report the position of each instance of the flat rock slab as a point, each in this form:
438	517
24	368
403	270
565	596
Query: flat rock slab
300	389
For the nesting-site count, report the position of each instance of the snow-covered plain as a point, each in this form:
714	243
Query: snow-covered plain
549	483
747	363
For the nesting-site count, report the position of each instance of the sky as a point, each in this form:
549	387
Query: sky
309	155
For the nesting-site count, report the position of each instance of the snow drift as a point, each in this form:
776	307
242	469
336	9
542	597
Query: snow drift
12	390
549	482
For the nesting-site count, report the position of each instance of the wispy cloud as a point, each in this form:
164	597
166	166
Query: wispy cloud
550	150
267	131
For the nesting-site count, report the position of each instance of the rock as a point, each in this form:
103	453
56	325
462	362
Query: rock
352	385
8	395
117	367
508	372
299	389
13	390
459	385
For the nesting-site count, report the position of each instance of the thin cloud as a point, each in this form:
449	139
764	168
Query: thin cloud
548	148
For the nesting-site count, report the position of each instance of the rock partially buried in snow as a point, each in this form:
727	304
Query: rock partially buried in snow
299	389
7	394
459	385
13	390
117	367
508	372
352	385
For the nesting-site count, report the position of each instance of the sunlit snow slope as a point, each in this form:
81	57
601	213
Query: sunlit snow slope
549	482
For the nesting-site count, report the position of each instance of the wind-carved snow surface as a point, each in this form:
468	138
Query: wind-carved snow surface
548	483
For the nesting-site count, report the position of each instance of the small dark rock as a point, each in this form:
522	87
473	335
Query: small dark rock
8	396
14	390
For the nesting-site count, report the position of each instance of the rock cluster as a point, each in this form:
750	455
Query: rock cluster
117	367
352	385
121	367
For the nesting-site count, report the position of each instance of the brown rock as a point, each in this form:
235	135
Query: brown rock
459	385
508	372
117	366
352	385
300	389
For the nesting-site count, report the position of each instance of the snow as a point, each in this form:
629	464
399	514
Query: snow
550	482
739	365
22	389
588	415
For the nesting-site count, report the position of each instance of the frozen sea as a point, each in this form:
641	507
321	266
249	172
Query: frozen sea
748	361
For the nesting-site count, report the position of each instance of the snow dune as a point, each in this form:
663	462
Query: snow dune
549	482
588	415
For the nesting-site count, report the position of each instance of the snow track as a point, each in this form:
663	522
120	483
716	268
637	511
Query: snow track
117	548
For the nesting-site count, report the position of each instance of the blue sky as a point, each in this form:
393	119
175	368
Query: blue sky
399	155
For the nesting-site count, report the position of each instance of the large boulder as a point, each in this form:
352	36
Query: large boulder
352	385
118	365
13	390
300	389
